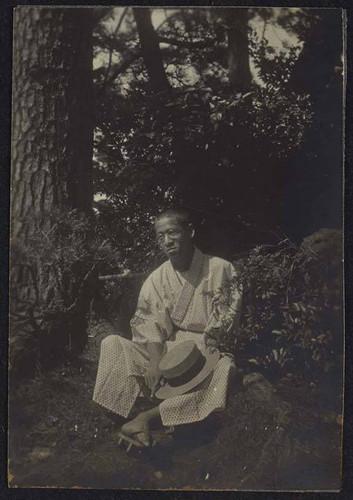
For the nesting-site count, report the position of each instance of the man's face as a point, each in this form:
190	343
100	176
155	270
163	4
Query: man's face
173	238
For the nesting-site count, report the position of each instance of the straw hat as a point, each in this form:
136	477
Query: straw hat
184	367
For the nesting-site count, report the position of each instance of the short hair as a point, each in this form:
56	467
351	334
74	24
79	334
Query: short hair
180	214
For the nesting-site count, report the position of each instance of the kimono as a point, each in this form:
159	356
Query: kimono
172	307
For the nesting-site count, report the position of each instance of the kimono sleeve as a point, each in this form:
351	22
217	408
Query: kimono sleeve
226	300
151	321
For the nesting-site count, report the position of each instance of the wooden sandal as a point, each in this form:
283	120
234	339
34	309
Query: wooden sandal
129	441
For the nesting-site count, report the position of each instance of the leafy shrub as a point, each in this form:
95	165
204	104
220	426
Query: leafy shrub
120	299
291	323
53	282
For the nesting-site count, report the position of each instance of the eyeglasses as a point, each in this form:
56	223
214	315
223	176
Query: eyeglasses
173	234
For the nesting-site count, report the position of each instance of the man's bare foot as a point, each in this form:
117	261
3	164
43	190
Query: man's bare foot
138	430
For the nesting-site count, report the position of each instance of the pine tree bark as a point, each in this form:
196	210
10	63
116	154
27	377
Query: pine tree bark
52	141
238	49
150	50
52	113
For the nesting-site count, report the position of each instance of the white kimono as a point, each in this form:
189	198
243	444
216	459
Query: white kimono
172	307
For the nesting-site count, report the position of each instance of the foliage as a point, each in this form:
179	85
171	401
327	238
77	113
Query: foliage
202	144
291	324
120	300
217	151
59	267
274	68
199	147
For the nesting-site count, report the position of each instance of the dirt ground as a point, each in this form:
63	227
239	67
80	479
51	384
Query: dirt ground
59	437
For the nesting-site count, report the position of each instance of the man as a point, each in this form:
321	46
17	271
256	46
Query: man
176	303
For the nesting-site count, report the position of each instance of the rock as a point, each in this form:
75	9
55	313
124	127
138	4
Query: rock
327	244
259	388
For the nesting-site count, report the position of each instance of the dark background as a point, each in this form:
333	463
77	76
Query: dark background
5	100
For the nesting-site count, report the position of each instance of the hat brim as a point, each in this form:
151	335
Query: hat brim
166	391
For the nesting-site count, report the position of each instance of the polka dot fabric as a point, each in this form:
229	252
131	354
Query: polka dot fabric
209	396
117	387
123	361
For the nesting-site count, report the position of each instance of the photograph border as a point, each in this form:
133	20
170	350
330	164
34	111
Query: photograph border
5	105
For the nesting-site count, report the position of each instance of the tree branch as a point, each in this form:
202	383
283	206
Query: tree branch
120	21
99	13
133	56
111	50
124	65
167	20
108	68
184	43
150	50
120	68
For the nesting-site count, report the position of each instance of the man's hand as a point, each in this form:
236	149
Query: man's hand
211	341
152	378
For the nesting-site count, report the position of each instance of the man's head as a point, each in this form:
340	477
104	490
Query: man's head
174	235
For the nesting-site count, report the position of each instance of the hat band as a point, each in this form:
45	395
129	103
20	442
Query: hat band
189	374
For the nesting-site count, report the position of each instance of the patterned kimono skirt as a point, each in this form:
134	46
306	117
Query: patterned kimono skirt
117	387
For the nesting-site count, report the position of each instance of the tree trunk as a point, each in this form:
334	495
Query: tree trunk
150	50
52	140
52	123
238	50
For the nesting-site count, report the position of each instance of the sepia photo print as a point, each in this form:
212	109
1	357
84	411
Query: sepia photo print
176	278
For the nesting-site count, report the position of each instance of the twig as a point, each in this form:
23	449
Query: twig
50	230
111	50
120	21
123	66
120	276
167	20
108	68
203	44
289	280
74	304
264	29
